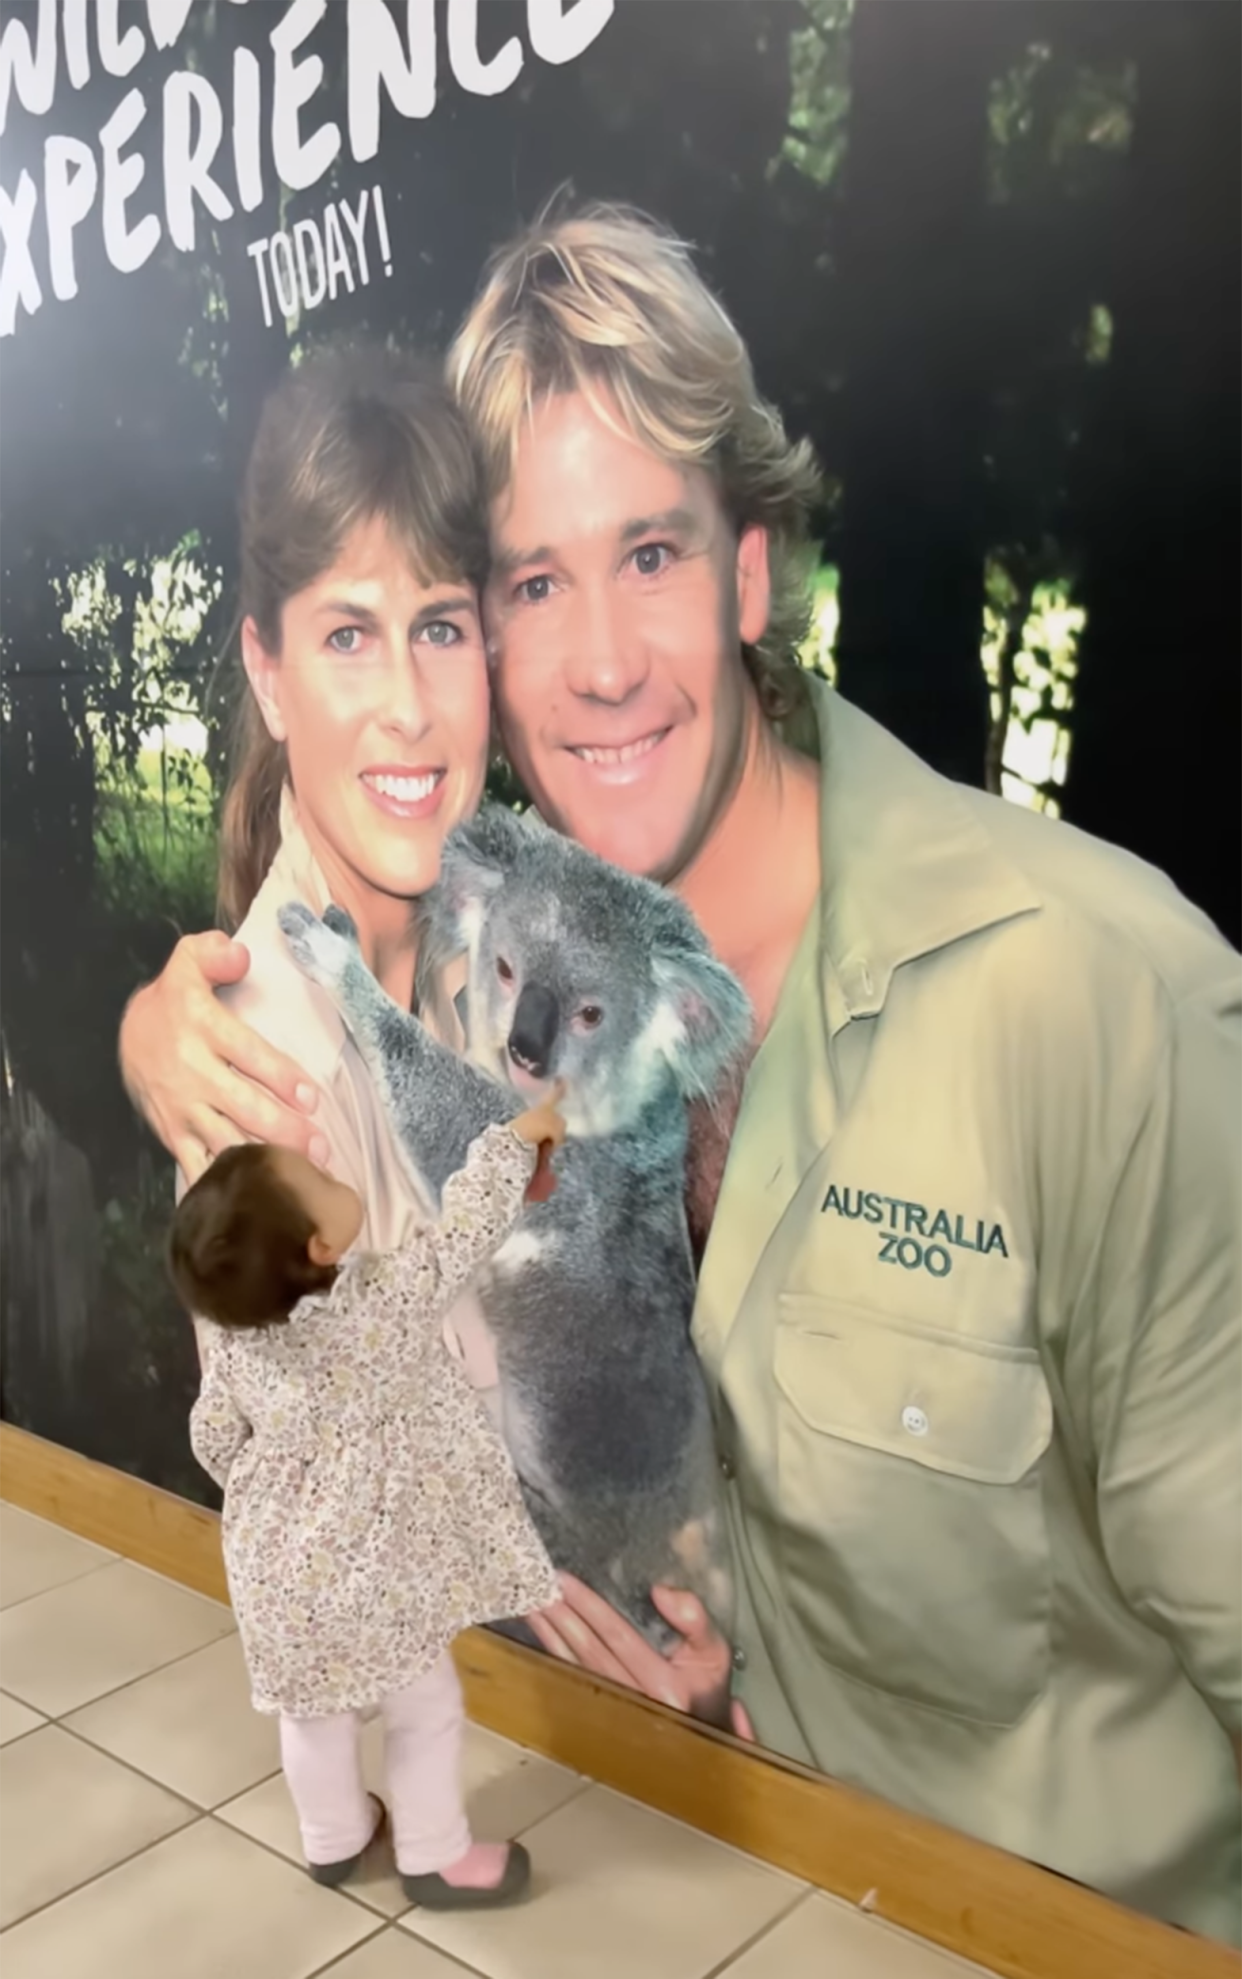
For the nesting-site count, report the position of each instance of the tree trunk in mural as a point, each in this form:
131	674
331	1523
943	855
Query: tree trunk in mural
911	548
51	1259
1154	759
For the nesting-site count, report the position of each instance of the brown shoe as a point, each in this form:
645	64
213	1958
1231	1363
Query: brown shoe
333	1874
433	1893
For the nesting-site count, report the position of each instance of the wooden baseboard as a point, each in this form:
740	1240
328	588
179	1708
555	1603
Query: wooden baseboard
1006	1915
151	1527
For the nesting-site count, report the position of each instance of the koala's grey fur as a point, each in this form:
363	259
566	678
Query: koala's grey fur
601	1398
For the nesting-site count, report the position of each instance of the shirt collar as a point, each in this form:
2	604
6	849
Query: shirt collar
907	865
295	867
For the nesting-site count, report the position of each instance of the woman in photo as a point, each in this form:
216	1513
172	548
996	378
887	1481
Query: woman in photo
362	740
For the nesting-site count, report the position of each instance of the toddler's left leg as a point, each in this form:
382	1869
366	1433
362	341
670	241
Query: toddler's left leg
440	1866
335	1813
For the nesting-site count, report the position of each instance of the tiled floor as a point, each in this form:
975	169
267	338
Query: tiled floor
145	1830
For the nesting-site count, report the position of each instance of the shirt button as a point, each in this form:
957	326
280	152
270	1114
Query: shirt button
726	1469
739	1659
915	1421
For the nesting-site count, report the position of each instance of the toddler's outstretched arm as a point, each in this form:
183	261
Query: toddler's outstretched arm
479	1206
480	1203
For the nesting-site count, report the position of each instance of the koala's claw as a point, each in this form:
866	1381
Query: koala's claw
340	923
294	920
320	951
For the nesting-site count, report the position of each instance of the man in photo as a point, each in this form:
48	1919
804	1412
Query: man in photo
970	1303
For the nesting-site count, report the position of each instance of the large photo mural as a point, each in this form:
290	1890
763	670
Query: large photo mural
686	550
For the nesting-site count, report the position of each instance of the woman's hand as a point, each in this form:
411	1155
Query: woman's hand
582	1628
202	1079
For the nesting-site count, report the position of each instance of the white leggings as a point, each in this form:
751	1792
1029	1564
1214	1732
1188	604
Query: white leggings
422	1762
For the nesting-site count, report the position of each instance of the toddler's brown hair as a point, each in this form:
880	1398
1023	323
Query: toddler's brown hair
238	1248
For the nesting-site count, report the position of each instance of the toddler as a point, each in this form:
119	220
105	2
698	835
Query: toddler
371	1511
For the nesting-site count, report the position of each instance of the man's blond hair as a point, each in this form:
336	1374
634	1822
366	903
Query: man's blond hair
606	302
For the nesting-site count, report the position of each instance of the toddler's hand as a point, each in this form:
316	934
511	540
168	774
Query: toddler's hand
543	1126
543	1122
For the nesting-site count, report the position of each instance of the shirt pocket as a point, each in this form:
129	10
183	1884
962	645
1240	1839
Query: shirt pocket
912	1540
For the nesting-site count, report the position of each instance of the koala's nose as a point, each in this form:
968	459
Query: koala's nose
534	1028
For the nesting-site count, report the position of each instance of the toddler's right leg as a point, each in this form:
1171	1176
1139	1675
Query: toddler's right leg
335	1813
440	1866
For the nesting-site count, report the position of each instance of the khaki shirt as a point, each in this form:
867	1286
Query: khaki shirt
284	1006
970	1314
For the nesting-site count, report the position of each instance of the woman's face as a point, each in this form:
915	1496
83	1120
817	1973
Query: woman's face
380	694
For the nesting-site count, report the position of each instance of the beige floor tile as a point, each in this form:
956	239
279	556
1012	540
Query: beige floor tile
66	1647
68	1812
824	1935
618	1890
35	1555
190	1726
507	1789
16	1719
266	1815
204	1905
393	1955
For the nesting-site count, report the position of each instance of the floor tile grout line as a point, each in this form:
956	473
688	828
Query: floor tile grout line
216	1807
56	1718
201	1815
106	1752
131	1683
88	1881
54	1525
351	1951
389	1925
116	1560
757	1937
162	1786
14	1699
183	1656
291	1862
29	1732
182	1587
100	1567
730	1848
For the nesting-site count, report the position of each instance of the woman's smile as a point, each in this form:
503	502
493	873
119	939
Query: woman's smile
405	793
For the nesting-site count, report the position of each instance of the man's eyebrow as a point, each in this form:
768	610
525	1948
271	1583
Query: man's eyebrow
668	522
505	562
452	601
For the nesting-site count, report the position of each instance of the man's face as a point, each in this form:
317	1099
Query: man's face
618	605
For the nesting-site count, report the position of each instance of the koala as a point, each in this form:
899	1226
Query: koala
576	971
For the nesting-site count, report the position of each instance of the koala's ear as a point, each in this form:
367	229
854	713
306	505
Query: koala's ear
477	858
710	1017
